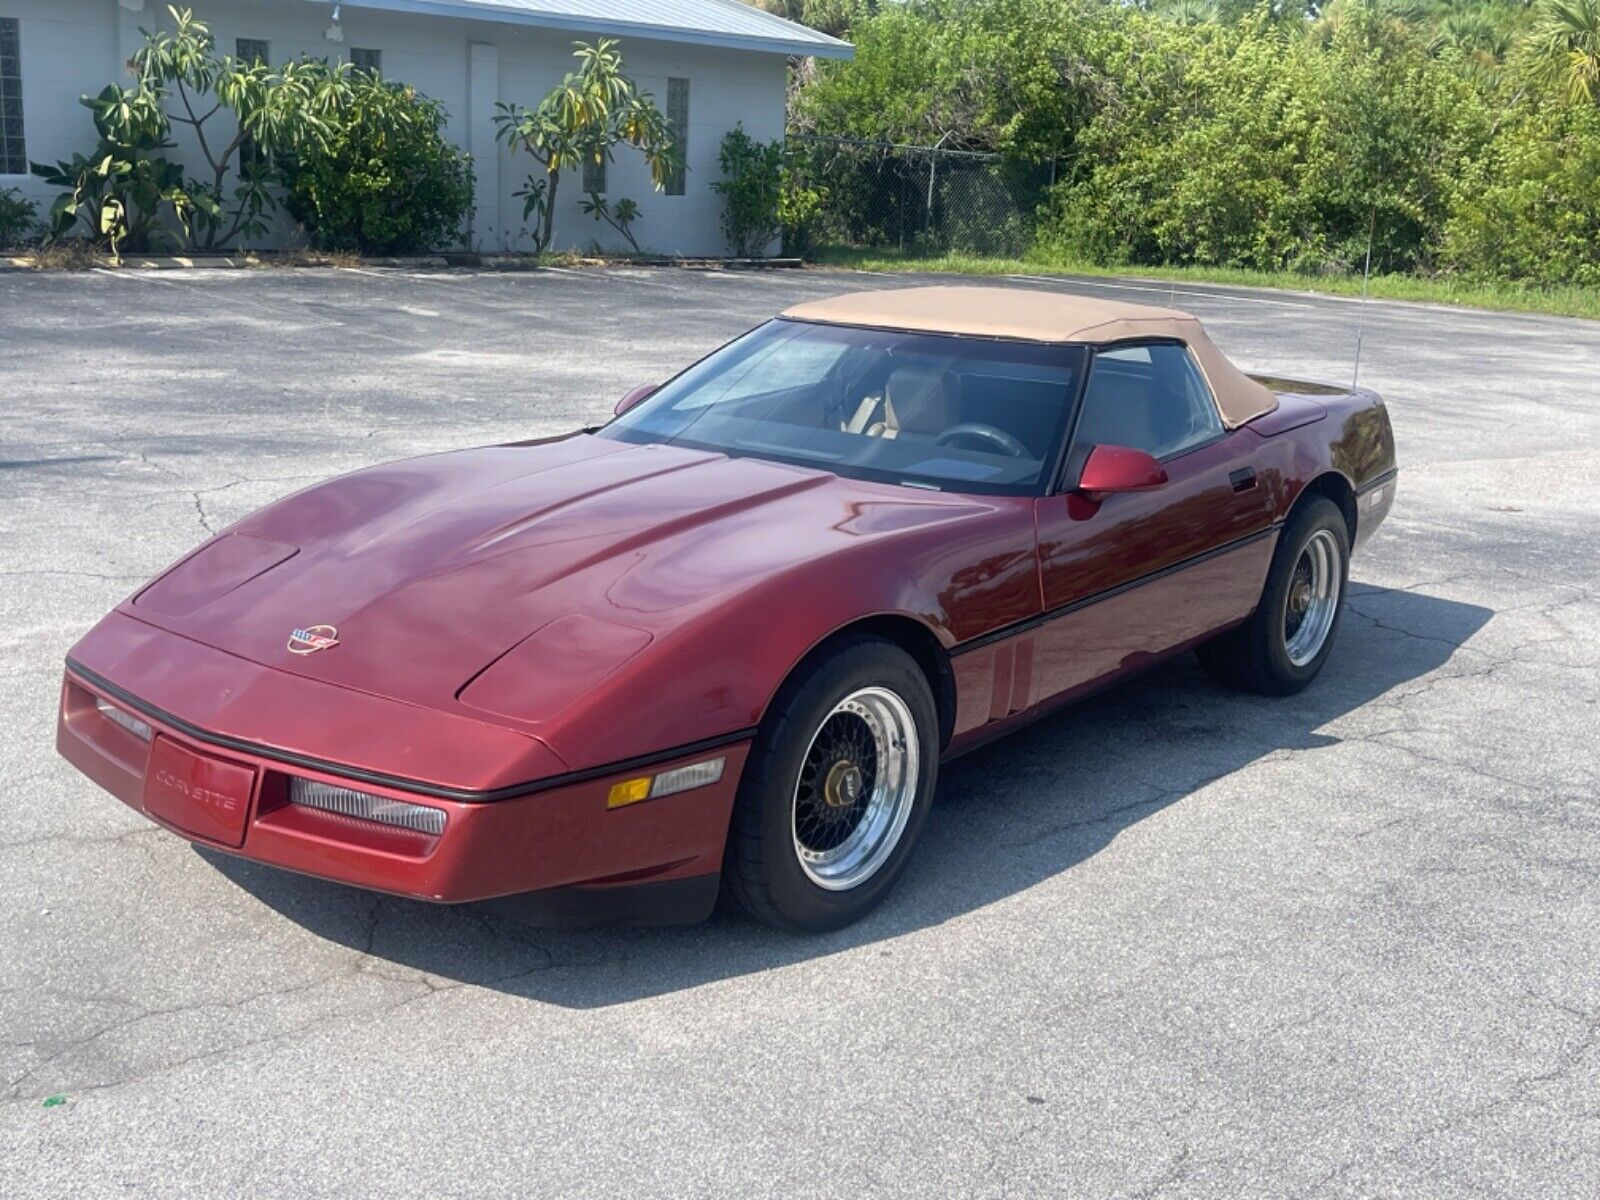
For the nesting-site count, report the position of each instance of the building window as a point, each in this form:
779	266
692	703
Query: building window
370	61
13	155
252	50
678	121
594	174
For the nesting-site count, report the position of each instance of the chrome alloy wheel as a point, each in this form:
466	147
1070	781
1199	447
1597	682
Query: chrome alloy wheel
1313	598
857	786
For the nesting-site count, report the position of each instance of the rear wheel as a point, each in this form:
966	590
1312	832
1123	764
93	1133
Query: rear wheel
836	789
1283	645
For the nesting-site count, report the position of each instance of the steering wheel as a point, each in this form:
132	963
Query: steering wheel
984	433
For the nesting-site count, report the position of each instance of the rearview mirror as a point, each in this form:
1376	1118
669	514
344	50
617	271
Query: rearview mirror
1111	469
636	395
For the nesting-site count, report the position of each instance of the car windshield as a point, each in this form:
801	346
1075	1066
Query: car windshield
958	413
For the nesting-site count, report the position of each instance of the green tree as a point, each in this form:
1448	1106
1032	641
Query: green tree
275	112
584	118
1565	47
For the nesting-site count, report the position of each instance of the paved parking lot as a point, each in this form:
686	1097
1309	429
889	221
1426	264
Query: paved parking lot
1175	942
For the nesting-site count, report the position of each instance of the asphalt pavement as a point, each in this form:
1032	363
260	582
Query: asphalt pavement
1173	942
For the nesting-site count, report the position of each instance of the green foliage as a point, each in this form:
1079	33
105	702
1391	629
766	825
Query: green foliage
1255	146
584	118
118	196
751	188
275	113
1459	135
1529	209
127	194
18	217
1015	76
383	180
763	196
1564	47
620	216
799	206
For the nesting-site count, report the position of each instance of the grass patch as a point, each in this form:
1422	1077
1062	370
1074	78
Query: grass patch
1564	301
63	256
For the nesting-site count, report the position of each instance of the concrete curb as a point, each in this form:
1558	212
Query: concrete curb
453	260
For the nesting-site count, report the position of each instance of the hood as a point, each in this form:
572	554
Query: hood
409	580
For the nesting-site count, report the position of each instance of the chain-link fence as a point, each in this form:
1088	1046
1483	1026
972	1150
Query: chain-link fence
920	199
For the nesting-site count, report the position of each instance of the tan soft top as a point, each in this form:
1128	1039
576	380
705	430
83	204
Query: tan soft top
1039	316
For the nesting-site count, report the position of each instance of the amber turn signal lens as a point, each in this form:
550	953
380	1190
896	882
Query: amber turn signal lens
628	792
668	783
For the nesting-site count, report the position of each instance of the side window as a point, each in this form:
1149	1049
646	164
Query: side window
1151	397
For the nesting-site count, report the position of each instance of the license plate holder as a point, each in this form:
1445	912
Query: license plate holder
197	793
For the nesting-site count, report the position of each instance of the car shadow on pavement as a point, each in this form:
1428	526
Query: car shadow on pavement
1007	817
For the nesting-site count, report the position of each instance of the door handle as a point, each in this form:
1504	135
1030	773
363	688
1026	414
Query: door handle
1243	479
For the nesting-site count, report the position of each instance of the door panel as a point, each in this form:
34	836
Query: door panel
1128	630
1087	550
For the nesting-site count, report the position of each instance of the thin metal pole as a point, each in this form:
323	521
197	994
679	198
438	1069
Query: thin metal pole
1361	311
933	162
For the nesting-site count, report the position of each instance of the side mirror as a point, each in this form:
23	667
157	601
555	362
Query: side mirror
1111	469
636	395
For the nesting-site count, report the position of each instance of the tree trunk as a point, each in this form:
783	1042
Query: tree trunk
549	229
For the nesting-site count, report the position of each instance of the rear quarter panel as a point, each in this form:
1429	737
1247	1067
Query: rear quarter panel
1318	429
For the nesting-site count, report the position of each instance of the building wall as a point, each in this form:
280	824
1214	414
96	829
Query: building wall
72	47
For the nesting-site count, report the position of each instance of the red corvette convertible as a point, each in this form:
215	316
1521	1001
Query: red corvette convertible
724	641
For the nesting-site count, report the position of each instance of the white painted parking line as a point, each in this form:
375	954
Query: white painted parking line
1166	291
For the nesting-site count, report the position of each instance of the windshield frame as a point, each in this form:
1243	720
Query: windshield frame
1050	464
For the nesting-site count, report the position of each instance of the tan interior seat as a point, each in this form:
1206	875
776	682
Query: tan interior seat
920	401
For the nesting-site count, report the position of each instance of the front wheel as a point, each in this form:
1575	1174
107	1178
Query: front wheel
1283	645
836	789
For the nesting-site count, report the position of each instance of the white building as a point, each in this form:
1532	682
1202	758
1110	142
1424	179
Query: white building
710	64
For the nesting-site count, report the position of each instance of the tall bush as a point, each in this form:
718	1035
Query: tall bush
384	179
751	188
1529	208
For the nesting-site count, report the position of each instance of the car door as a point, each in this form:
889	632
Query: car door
1129	576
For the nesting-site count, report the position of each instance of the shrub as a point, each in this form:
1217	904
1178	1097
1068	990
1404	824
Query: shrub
1252	145
751	188
384	180
1529	209
18	216
119	197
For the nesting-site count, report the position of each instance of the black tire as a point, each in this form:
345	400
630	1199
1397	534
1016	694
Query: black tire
1255	656
763	872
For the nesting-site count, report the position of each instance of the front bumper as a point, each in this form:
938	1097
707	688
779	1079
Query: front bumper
560	836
